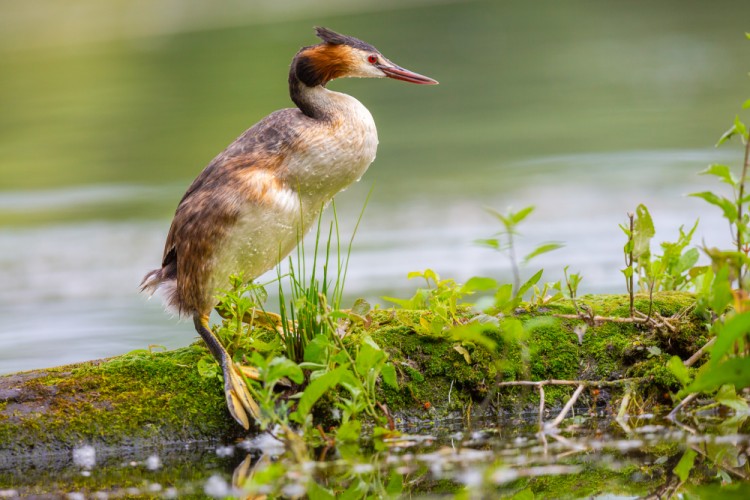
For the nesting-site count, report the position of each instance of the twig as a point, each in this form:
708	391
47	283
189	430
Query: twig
542	434
567	406
585	383
699	353
623	410
688	399
662	322
541	408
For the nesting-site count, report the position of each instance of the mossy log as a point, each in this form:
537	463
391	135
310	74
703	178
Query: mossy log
144	399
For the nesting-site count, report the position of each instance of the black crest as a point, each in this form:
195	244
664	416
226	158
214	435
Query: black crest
334	38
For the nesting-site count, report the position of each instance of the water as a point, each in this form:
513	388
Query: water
584	110
590	455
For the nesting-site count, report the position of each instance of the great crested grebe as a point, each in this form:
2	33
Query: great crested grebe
251	205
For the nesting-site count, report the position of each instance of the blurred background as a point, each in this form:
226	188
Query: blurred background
583	108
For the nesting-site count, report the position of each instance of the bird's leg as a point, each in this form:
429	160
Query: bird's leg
239	399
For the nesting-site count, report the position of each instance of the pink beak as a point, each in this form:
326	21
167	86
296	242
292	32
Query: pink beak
399	73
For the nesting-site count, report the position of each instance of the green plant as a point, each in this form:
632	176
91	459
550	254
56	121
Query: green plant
307	352
504	242
729	353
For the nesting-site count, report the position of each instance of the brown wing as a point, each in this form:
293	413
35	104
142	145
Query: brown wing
215	200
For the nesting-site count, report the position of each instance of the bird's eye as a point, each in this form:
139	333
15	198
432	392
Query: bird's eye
372	58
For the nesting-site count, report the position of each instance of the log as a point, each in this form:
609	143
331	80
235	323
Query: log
150	399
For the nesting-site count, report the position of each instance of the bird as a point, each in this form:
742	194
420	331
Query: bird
251	205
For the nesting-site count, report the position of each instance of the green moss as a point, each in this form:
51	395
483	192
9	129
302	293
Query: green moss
147	398
123	401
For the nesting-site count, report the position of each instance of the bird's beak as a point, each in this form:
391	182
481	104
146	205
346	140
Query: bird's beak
399	73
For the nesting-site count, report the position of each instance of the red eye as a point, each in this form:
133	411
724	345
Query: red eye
372	58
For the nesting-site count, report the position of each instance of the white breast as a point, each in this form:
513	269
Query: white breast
336	152
329	156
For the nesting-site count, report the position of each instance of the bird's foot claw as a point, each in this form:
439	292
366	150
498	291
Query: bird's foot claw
239	400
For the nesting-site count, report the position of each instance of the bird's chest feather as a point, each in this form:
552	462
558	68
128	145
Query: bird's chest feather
327	157
334	153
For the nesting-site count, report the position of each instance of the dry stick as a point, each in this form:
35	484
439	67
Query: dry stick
688	399
567	406
541	408
620	419
585	383
699	353
542	434
612	319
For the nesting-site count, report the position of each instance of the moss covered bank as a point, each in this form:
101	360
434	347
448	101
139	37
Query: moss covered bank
149	399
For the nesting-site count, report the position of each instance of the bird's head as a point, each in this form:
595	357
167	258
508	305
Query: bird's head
342	56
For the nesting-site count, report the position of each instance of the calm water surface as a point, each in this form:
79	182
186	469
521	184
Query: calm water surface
589	456
584	110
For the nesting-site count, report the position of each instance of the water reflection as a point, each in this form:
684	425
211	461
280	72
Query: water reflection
591	454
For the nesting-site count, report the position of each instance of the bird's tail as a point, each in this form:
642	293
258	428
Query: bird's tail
164	279
152	280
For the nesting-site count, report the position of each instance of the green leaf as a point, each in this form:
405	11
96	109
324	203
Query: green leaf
361	307
734	371
521	215
316	350
720	294
727	334
388	372
493	243
529	283
728	397
687	260
504	297
525	494
746	104
315	391
503	219
369	356
685	465
643	231
726	205
679	370
723	172
395	484
355	491
207	369
739	126
547	247
349	432
726	136
402	303
473	332
317	492
478	284
281	367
